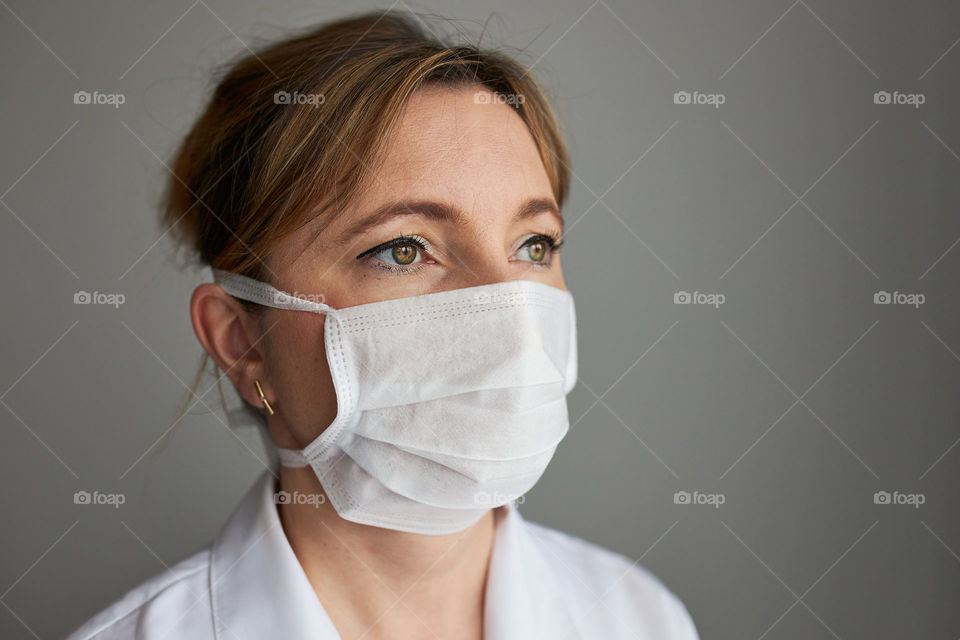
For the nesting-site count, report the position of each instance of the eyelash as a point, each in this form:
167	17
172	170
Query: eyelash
419	242
553	242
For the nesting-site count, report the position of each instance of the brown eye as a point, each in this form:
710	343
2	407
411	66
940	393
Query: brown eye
398	254
537	251
404	253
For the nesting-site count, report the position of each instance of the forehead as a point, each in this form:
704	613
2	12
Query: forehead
449	145
446	147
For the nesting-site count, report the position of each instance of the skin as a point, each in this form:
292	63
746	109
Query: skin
481	159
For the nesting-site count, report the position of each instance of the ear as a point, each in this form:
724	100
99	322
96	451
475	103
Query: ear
231	336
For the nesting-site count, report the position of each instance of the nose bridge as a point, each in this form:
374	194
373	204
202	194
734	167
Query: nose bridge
479	255
478	258
483	263
485	269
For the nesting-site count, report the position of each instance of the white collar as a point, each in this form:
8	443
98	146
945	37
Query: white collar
259	589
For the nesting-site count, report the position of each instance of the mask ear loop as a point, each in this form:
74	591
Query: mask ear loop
251	290
245	288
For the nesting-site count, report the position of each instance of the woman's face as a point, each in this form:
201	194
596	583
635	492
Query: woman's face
458	198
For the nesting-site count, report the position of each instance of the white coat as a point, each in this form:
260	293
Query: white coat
542	584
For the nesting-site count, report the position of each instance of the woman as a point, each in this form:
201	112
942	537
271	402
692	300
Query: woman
382	216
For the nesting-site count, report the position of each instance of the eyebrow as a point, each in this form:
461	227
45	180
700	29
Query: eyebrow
444	212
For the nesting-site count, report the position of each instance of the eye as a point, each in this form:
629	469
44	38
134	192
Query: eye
538	249
394	255
402	253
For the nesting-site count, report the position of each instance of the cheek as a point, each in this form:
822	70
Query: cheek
300	376
556	274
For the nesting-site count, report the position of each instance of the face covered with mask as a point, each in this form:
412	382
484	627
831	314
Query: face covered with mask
424	380
429	444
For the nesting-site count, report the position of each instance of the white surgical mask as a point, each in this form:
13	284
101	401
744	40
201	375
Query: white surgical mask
448	403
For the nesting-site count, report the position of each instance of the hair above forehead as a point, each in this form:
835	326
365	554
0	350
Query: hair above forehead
292	131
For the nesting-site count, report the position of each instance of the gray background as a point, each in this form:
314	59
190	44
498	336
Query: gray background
797	199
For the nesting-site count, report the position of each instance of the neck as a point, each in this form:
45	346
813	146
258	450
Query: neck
377	582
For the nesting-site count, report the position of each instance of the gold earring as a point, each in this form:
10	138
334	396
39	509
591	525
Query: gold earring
263	398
